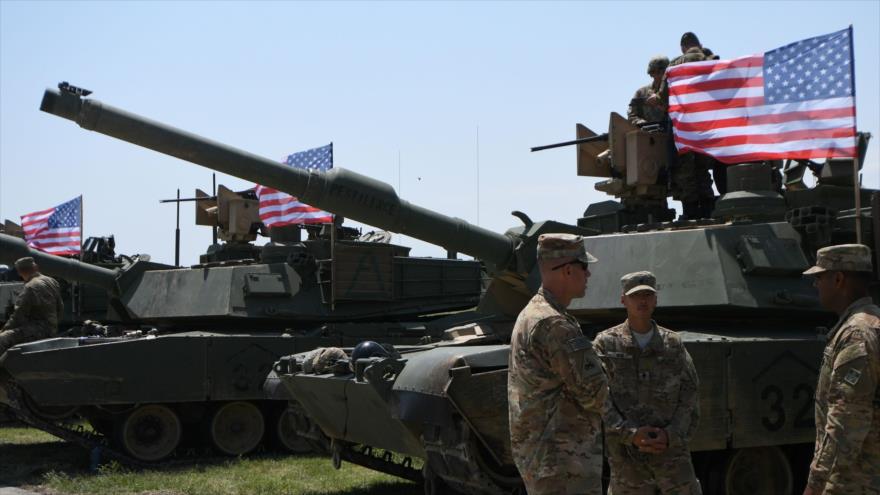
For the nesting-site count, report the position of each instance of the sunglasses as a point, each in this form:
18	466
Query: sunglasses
573	262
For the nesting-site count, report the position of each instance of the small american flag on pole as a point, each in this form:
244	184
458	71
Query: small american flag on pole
57	230
278	208
797	101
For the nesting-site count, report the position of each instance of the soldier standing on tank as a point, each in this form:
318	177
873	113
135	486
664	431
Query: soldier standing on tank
640	113
556	386
37	309
846	459
653	404
689	177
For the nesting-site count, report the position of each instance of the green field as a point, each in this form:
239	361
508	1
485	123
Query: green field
34	460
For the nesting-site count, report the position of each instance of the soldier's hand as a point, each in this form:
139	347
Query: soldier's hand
653	100
647	439
661	442
809	491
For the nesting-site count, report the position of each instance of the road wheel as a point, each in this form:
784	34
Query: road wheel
758	471
237	428
285	432
150	433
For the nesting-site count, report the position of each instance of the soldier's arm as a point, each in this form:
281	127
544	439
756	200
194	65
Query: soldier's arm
616	425
632	111
23	305
852	388
687	412
572	358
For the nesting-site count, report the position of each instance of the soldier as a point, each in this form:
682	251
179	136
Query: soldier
846	459
652	407
556	386
37	308
640	113
689	177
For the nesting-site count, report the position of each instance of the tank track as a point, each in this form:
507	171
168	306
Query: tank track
454	463
98	446
384	461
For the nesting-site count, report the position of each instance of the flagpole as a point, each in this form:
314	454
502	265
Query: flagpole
857	186
82	229
478	175
76	294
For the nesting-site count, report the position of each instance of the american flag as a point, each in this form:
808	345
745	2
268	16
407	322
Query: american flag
797	101
56	230
278	208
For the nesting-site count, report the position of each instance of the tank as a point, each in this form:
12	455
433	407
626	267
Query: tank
731	285
185	366
82	302
204	338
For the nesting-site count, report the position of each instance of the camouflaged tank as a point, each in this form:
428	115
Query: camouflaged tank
184	363
731	285
81	302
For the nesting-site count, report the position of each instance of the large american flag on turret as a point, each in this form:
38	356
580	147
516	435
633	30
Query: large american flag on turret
278	208
55	230
797	101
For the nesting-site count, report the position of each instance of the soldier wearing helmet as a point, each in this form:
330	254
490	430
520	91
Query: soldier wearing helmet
638	112
689	179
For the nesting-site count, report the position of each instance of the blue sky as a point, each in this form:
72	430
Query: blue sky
403	89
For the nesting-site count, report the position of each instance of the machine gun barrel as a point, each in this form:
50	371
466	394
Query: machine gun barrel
13	248
600	137
340	191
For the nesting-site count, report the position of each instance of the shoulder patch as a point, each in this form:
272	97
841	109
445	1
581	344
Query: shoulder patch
850	353
852	377
578	344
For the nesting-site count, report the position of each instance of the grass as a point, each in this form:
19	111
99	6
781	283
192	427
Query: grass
37	461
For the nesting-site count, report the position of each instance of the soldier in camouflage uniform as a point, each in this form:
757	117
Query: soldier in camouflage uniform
652	407
556	387
37	308
846	459
639	112
689	180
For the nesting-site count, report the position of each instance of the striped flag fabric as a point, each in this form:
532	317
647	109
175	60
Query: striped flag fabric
797	102
56	230
278	209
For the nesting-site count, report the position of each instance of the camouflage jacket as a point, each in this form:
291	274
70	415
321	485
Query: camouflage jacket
555	391
639	112
655	386
39	303
847	454
693	54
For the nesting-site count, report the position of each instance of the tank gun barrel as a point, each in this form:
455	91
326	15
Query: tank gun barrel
600	137
340	191
13	248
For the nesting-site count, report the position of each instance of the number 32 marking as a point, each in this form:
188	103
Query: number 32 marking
803	394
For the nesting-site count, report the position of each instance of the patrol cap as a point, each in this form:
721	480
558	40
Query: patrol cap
26	263
843	257
554	246
636	281
658	62
689	38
